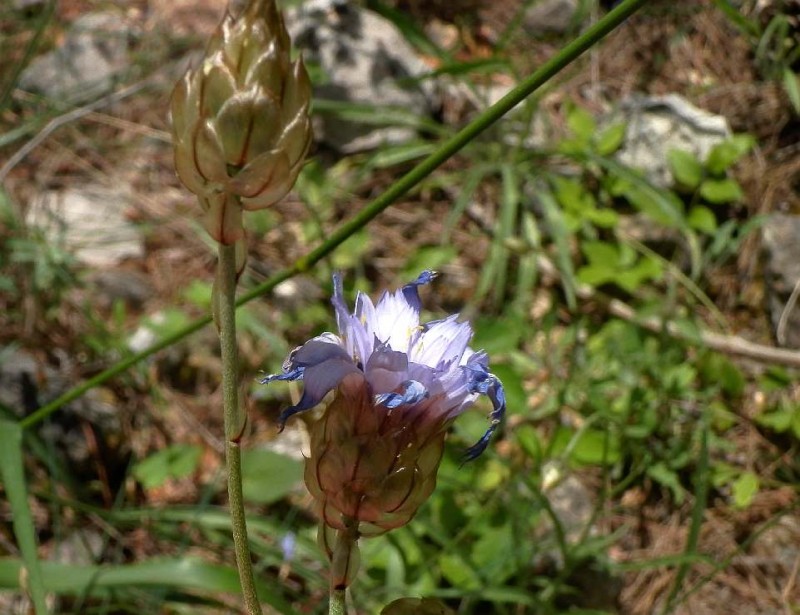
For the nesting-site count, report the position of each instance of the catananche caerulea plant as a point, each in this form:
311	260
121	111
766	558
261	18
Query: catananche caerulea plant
399	384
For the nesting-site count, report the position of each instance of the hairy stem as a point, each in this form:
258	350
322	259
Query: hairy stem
234	421
344	566
338	604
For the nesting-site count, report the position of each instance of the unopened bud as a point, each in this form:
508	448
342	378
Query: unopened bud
240	120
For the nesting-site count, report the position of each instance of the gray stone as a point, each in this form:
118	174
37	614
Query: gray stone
655	125
550	17
85	65
780	242
89	222
26	383
80	548
366	61
130	287
519	122
26	5
20	373
573	505
146	334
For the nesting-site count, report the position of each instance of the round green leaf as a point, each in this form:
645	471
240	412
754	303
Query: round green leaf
719	191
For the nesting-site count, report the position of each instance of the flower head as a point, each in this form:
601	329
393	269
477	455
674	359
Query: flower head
240	120
399	385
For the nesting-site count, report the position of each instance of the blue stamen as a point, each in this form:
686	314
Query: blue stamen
413	392
287	376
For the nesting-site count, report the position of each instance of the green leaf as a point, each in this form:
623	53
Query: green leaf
167	322
13	474
496	335
702	219
416	606
352	250
610	139
667	477
717	369
459	573
780	419
529	441
723	155
663	206
493	551
596	447
720	191
745	488
581	123
176	461
604	218
185	573
791	83
516	397
601	252
686	169
198	293
597	275
268	476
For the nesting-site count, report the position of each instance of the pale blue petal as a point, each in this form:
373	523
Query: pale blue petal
319	380
441	343
395	321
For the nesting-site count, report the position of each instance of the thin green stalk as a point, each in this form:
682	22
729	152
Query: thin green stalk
701	482
449	148
234	421
338	604
344	565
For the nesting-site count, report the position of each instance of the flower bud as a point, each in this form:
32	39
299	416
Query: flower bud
240	120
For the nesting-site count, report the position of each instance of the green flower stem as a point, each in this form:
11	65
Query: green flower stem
450	147
338	604
344	565
234	420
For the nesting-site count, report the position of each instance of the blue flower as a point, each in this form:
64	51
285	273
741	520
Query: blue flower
404	364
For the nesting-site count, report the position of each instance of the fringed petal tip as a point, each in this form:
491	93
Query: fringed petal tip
411	292
485	383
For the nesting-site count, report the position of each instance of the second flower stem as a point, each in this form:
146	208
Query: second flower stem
234	421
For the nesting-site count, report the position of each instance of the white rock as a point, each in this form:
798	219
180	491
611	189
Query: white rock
366	61
90	222
550	17
655	125
94	52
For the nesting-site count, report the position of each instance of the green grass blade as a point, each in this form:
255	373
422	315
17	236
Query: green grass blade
184	573
13	474
560	234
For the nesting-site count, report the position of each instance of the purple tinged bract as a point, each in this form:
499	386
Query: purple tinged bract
404	363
